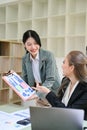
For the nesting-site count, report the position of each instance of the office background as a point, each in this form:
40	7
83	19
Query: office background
61	24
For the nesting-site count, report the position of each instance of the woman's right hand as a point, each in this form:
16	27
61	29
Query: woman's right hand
42	89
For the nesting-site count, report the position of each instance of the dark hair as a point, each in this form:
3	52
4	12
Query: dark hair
33	34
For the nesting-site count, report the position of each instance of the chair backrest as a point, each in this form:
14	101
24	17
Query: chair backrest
59	62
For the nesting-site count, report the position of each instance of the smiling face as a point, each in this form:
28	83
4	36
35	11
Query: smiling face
32	47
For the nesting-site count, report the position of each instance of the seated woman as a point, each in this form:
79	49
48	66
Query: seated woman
73	90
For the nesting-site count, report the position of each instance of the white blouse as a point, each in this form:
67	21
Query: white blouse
35	68
68	94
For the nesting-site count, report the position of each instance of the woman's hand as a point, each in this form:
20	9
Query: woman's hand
42	89
34	96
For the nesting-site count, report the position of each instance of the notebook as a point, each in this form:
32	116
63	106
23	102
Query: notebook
43	118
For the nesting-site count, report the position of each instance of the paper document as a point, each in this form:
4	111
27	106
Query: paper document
8	120
18	85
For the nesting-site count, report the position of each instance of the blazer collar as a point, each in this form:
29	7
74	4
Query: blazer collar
77	93
42	57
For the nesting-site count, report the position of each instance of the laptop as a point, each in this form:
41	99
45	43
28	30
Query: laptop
43	118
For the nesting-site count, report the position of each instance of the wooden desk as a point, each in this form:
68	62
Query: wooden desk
12	108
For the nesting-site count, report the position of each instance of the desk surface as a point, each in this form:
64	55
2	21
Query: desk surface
12	108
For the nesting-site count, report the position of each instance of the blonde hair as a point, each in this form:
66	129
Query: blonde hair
79	60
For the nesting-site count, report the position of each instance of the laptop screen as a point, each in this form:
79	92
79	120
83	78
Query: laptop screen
43	118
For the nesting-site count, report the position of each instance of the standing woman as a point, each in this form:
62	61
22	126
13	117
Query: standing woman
38	65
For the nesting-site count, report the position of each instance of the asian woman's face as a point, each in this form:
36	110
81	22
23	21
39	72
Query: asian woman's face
32	47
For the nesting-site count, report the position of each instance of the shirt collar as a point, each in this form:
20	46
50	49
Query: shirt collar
36	58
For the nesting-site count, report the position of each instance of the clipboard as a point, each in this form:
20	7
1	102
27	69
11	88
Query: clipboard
18	85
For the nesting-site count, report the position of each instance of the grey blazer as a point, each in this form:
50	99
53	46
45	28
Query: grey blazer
48	71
